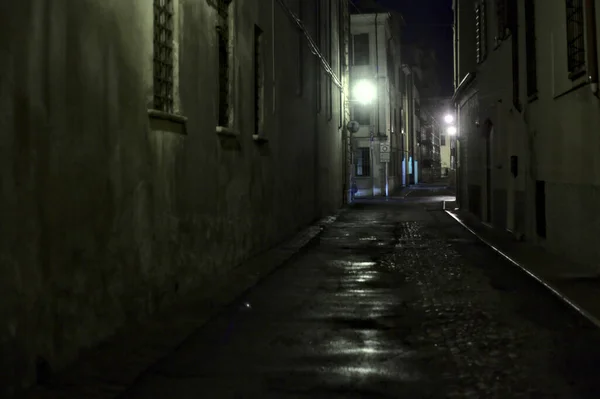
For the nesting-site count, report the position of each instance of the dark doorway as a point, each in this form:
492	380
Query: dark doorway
540	208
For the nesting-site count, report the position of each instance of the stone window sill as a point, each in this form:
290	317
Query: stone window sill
227	132
167	122
260	139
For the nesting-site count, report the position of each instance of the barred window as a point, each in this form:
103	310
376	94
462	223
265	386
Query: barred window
224	67
575	38
481	30
258	80
164	74
362	162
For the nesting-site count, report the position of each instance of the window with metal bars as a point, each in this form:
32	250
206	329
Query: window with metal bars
258	80
575	38
224	67
164	59
530	46
481	30
362	162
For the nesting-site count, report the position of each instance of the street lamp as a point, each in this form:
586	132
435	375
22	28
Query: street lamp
451	130
448	119
364	91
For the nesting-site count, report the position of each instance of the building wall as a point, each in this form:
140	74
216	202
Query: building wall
464	39
552	134
563	125
108	215
380	30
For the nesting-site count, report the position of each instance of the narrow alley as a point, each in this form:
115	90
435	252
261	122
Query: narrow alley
395	299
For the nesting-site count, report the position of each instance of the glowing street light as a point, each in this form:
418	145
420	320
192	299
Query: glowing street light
364	92
451	130
448	118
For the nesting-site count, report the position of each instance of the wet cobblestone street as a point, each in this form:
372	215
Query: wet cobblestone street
394	299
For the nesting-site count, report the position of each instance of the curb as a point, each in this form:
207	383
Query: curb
584	313
110	369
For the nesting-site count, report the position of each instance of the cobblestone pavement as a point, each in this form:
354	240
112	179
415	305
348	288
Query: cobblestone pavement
393	300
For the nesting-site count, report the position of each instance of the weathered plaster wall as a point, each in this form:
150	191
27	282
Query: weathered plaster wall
103	220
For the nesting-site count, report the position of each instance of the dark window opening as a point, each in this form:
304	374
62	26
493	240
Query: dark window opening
164	76
540	208
530	46
224	67
360	45
443	139
362	165
318	72
575	38
258	80
329	45
362	115
502	18
300	54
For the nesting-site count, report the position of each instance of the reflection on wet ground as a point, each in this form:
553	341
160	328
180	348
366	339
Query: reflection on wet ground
392	300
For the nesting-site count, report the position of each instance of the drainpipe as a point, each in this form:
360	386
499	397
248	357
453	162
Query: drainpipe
592	44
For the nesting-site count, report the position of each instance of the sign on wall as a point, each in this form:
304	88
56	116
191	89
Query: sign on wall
384	152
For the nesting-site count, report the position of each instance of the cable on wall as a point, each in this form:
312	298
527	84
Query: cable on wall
313	46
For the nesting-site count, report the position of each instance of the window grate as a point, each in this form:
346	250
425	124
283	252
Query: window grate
164	86
575	38
481	30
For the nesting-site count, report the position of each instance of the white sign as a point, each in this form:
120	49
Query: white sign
384	152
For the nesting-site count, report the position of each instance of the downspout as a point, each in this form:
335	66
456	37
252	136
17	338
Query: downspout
592	44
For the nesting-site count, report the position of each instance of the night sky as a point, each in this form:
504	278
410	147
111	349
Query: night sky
429	21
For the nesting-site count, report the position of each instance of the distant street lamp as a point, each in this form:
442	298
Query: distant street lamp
448	119
364	92
451	130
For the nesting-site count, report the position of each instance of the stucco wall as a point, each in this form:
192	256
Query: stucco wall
554	135
565	123
103	220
